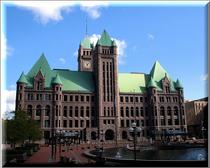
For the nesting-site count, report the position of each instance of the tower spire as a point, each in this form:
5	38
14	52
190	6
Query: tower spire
86	26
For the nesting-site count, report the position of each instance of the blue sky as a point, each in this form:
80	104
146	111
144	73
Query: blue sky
175	35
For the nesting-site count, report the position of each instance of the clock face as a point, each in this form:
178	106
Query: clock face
87	64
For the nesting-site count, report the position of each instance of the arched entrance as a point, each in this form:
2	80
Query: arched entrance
93	135
109	135
124	135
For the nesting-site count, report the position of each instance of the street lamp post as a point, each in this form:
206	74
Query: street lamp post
134	129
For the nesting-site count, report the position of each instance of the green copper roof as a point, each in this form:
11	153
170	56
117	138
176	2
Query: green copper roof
130	82
105	39
84	81
76	81
86	43
152	83
41	64
158	72
57	80
178	84
22	79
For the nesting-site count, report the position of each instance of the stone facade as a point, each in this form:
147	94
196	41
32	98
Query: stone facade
107	108
195	111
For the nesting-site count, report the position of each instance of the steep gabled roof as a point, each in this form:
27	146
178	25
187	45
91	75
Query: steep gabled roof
105	40
57	80
152	83
178	84
22	79
86	43
158	72
41	64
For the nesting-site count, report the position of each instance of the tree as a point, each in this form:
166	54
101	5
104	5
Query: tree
21	128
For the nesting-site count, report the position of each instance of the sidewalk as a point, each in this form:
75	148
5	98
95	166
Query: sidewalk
43	155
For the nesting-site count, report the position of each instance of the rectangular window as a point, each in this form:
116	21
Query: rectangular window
126	99
64	123
76	123
76	98
76	111
121	111
71	98
122	123
82	98
121	99
87	98
65	111
87	111
131	99
142	122
92	111
141	99
136	99
127	124
65	98
70	111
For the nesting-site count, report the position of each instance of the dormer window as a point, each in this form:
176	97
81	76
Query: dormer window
39	85
167	89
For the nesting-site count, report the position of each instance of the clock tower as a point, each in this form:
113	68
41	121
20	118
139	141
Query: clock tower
85	55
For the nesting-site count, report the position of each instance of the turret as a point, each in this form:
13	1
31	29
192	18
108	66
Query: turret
20	93
57	99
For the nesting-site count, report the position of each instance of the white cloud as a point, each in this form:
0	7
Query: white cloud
75	53
6	49
62	60
8	98
121	44
150	36
92	9
204	77
45	11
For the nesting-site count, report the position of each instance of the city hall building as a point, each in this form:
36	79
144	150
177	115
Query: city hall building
98	98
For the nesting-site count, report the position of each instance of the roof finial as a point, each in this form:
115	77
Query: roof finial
86	26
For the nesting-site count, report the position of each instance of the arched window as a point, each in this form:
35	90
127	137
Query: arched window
47	110
38	110
39	85
82	111
142	111
127	112
132	112
122	111
137	111
65	111
162	111
76	111
176	110
29	110
169	111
